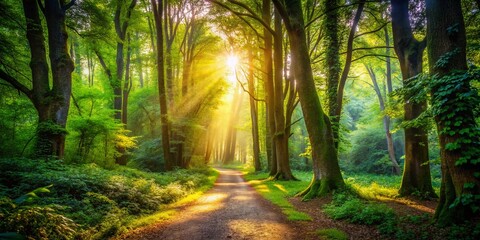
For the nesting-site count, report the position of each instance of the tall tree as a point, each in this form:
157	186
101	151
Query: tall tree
416	174
157	6
268	86
332	56
453	103
253	112
51	102
280	137
386	119
326	171
336	113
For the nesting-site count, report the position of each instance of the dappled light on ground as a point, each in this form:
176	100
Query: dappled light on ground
232	209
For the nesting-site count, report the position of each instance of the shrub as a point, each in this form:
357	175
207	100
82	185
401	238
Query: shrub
99	202
354	210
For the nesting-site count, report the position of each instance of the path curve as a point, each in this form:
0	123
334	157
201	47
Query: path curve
232	209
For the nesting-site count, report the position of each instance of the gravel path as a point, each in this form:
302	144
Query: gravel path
230	210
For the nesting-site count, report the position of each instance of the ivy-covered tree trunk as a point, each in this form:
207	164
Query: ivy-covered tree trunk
453	102
326	171
416	173
332	61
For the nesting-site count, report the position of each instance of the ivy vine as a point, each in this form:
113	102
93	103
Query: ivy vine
452	99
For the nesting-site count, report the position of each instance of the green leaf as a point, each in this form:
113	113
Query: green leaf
469	185
461	161
452	146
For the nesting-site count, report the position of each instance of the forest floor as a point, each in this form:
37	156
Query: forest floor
232	209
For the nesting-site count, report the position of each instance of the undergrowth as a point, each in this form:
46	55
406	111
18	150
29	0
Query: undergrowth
90	202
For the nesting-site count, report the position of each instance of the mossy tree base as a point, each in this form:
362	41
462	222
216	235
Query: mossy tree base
283	176
424	193
320	188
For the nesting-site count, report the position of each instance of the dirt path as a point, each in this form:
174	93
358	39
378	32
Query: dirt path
230	210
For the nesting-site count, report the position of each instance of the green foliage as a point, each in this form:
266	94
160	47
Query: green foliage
354	210
99	202
17	123
368	153
35	222
331	234
149	156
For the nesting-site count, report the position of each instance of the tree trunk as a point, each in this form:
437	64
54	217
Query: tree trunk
332	55
52	104
231	136
158	14
386	122
253	113
326	172
460	189
139	61
416	173
268	87
343	78
280	138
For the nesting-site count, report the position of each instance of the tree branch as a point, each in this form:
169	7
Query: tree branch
367	48
41	6
373	31
104	66
68	5
372	55
16	84
255	17
245	90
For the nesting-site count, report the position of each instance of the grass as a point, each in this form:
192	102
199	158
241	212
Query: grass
277	192
370	186
331	234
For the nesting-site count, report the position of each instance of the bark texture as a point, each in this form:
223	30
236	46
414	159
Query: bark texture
326	172
51	102
416	173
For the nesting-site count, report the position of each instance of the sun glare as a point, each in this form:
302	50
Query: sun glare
232	61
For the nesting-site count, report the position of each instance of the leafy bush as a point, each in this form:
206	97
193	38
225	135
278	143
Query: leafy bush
149	156
355	210
99	202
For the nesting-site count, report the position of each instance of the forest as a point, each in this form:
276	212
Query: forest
133	119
